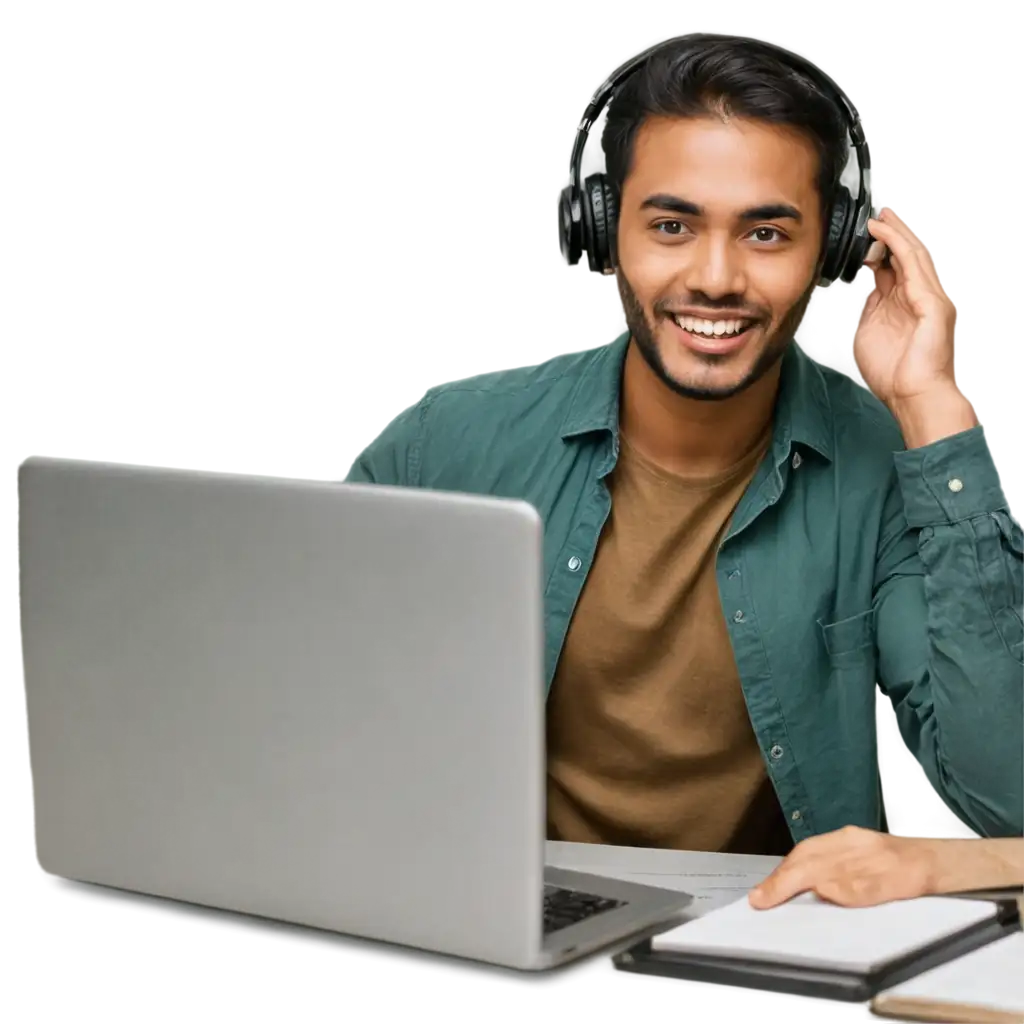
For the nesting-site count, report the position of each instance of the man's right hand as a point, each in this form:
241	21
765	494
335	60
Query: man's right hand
856	867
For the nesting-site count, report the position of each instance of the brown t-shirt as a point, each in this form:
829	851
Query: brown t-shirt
649	739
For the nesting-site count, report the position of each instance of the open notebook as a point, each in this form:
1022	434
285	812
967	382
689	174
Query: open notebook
813	933
983	987
813	947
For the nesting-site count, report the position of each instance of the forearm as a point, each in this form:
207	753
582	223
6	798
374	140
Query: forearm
960	865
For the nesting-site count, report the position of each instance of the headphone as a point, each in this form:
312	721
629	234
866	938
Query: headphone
587	216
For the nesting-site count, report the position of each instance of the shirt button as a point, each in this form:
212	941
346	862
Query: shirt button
734	573
956	485
738	617
776	752
796	815
574	564
797	460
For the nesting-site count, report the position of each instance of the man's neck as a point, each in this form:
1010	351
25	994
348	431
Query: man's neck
688	435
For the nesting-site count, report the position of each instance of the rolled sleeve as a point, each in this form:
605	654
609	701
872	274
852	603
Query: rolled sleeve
949	480
948	613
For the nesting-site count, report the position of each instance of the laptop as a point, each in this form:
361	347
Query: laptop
315	702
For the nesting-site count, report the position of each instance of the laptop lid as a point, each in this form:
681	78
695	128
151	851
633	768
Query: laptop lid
310	701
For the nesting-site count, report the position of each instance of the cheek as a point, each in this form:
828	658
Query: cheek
649	272
782	281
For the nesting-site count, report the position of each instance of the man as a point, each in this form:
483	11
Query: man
739	542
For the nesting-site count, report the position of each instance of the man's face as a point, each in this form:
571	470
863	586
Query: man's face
718	222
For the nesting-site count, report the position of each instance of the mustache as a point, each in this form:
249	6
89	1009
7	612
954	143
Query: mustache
732	308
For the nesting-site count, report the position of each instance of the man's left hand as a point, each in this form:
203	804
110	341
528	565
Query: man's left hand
904	342
853	867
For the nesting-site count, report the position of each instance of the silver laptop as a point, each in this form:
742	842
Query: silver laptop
316	702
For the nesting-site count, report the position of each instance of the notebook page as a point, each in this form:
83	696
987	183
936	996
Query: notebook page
992	976
810	932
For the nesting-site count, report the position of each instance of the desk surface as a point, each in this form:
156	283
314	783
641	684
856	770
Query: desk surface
79	950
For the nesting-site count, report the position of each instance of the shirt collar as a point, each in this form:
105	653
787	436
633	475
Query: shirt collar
594	405
802	410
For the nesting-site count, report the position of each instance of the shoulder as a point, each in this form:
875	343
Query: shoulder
508	387
456	416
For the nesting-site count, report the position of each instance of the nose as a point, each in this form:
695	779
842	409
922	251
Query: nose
715	267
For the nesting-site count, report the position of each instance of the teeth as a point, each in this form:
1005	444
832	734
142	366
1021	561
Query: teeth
711	327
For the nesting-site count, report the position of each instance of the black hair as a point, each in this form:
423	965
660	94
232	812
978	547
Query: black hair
711	75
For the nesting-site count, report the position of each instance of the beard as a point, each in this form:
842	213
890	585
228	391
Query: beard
642	333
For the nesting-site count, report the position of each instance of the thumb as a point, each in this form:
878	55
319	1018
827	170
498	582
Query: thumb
872	304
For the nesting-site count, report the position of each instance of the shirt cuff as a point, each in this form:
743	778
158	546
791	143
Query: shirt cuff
950	480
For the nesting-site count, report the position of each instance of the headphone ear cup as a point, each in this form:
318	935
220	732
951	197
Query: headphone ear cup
595	229
570	234
611	217
847	247
600	209
840	230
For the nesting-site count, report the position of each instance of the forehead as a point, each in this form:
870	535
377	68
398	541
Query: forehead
733	164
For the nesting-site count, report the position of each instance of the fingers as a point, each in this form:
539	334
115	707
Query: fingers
897	245
878	252
821	875
785	882
794	875
910	257
850	867
885	281
924	257
875	252
889	217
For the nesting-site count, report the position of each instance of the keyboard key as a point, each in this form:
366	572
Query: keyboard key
565	907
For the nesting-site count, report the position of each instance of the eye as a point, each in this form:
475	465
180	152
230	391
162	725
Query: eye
671	227
770	230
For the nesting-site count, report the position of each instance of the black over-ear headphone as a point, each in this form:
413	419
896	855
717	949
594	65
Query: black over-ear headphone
587	217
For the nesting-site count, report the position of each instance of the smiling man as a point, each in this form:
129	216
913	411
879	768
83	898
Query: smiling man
740	543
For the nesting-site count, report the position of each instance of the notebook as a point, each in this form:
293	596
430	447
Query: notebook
812	932
983	987
811	947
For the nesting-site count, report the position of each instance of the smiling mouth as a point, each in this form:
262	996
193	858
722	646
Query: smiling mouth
713	329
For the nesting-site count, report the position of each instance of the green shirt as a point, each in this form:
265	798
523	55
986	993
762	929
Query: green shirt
849	562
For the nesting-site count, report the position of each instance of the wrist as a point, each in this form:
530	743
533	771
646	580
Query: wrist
962	865
933	415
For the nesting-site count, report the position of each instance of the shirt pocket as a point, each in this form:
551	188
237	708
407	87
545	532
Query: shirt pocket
850	642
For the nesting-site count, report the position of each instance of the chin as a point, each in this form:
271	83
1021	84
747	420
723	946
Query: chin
696	379
710	376
705	389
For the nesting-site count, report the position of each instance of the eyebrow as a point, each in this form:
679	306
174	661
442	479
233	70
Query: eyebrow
768	211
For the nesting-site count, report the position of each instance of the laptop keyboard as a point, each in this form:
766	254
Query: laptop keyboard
563	907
